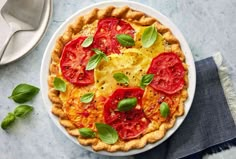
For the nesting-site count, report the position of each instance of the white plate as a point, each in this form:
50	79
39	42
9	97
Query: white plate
136	6
24	41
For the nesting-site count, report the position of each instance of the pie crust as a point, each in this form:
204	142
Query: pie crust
73	30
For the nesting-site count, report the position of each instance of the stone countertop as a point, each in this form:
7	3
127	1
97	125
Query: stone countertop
209	26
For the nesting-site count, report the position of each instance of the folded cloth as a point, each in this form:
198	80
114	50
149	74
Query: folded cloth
209	127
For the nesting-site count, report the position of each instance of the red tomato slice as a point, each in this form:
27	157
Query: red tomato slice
105	36
128	124
73	63
168	73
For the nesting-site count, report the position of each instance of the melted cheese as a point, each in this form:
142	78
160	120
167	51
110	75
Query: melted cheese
65	95
151	104
87	30
82	115
152	51
132	64
75	92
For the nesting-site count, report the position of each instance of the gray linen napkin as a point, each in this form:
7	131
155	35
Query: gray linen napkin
209	126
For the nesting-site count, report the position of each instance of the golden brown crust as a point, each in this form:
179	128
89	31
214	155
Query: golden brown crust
126	13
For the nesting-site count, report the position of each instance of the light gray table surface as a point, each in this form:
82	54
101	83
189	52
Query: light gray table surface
209	26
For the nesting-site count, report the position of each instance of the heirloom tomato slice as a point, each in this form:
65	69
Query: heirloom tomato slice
105	36
168	73
73	63
130	124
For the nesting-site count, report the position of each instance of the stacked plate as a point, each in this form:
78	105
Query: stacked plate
23	41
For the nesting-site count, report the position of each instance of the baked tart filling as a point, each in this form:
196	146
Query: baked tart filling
118	79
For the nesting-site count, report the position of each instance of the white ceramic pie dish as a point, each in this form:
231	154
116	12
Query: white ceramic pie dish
136	6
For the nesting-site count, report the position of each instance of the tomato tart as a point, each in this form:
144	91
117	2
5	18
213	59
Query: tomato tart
118	79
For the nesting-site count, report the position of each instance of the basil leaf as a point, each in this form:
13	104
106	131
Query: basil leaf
8	120
22	110
59	84
97	51
87	98
87	42
127	104
87	132
121	78
104	56
146	80
95	59
125	39
164	109
107	133
23	93
149	36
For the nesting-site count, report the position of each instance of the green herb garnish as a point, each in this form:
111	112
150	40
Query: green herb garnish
146	80
164	109
23	93
87	42
22	110
87	98
59	84
8	120
125	40
95	59
121	78
149	36
87	132
127	104
107	133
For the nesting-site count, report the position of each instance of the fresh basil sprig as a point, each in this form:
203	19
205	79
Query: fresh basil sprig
23	93
127	104
8	120
95	59
59	84
121	78
164	109
125	40
99	52
87	98
22	110
107	133
87	42
87	132
149	36
146	80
